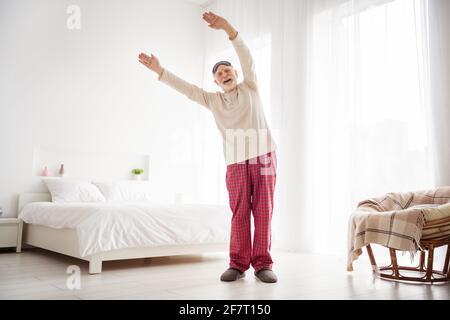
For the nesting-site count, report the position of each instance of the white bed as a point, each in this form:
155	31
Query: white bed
102	232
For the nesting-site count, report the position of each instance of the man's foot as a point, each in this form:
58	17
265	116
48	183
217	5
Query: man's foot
232	275
266	275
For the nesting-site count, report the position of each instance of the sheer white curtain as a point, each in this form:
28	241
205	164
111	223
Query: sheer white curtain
439	39
439	75
349	104
367	109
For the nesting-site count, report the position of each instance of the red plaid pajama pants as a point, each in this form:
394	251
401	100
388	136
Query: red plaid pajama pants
251	186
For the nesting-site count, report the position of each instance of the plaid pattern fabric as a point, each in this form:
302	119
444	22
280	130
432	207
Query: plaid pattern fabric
440	229
395	220
251	186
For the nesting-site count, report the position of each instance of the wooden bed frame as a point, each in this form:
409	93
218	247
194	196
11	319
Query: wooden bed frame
65	241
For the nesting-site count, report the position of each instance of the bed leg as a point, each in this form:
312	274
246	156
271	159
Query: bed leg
95	266
19	237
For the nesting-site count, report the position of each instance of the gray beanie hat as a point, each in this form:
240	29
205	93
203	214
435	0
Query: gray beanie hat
220	63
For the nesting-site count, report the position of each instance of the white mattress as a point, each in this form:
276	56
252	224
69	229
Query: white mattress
108	226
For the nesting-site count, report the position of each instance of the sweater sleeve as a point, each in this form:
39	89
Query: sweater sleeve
246	60
191	91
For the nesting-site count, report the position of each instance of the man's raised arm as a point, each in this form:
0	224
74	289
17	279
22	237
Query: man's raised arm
243	52
191	91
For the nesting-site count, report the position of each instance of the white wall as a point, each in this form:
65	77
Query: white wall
85	90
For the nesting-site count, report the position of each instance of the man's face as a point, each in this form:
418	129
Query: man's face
226	78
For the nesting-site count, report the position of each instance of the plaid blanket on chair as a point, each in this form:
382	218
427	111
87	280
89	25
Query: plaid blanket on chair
395	220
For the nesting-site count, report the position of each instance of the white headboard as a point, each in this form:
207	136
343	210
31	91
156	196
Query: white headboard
25	198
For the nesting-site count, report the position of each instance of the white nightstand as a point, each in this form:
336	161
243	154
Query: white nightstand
11	233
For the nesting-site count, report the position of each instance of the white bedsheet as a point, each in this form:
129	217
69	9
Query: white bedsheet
108	226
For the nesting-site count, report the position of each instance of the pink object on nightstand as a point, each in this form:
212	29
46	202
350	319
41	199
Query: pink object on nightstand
45	172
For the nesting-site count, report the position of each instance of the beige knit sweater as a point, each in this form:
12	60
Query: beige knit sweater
238	114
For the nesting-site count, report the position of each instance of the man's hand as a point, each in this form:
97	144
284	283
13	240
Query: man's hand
217	22
151	62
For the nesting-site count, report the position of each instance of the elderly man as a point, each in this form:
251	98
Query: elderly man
249	151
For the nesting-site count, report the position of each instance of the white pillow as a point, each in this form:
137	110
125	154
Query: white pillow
69	190
125	191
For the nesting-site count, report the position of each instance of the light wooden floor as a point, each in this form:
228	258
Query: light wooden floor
39	274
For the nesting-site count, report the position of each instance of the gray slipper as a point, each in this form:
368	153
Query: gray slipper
266	275
232	275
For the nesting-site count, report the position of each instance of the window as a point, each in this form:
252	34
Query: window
367	111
